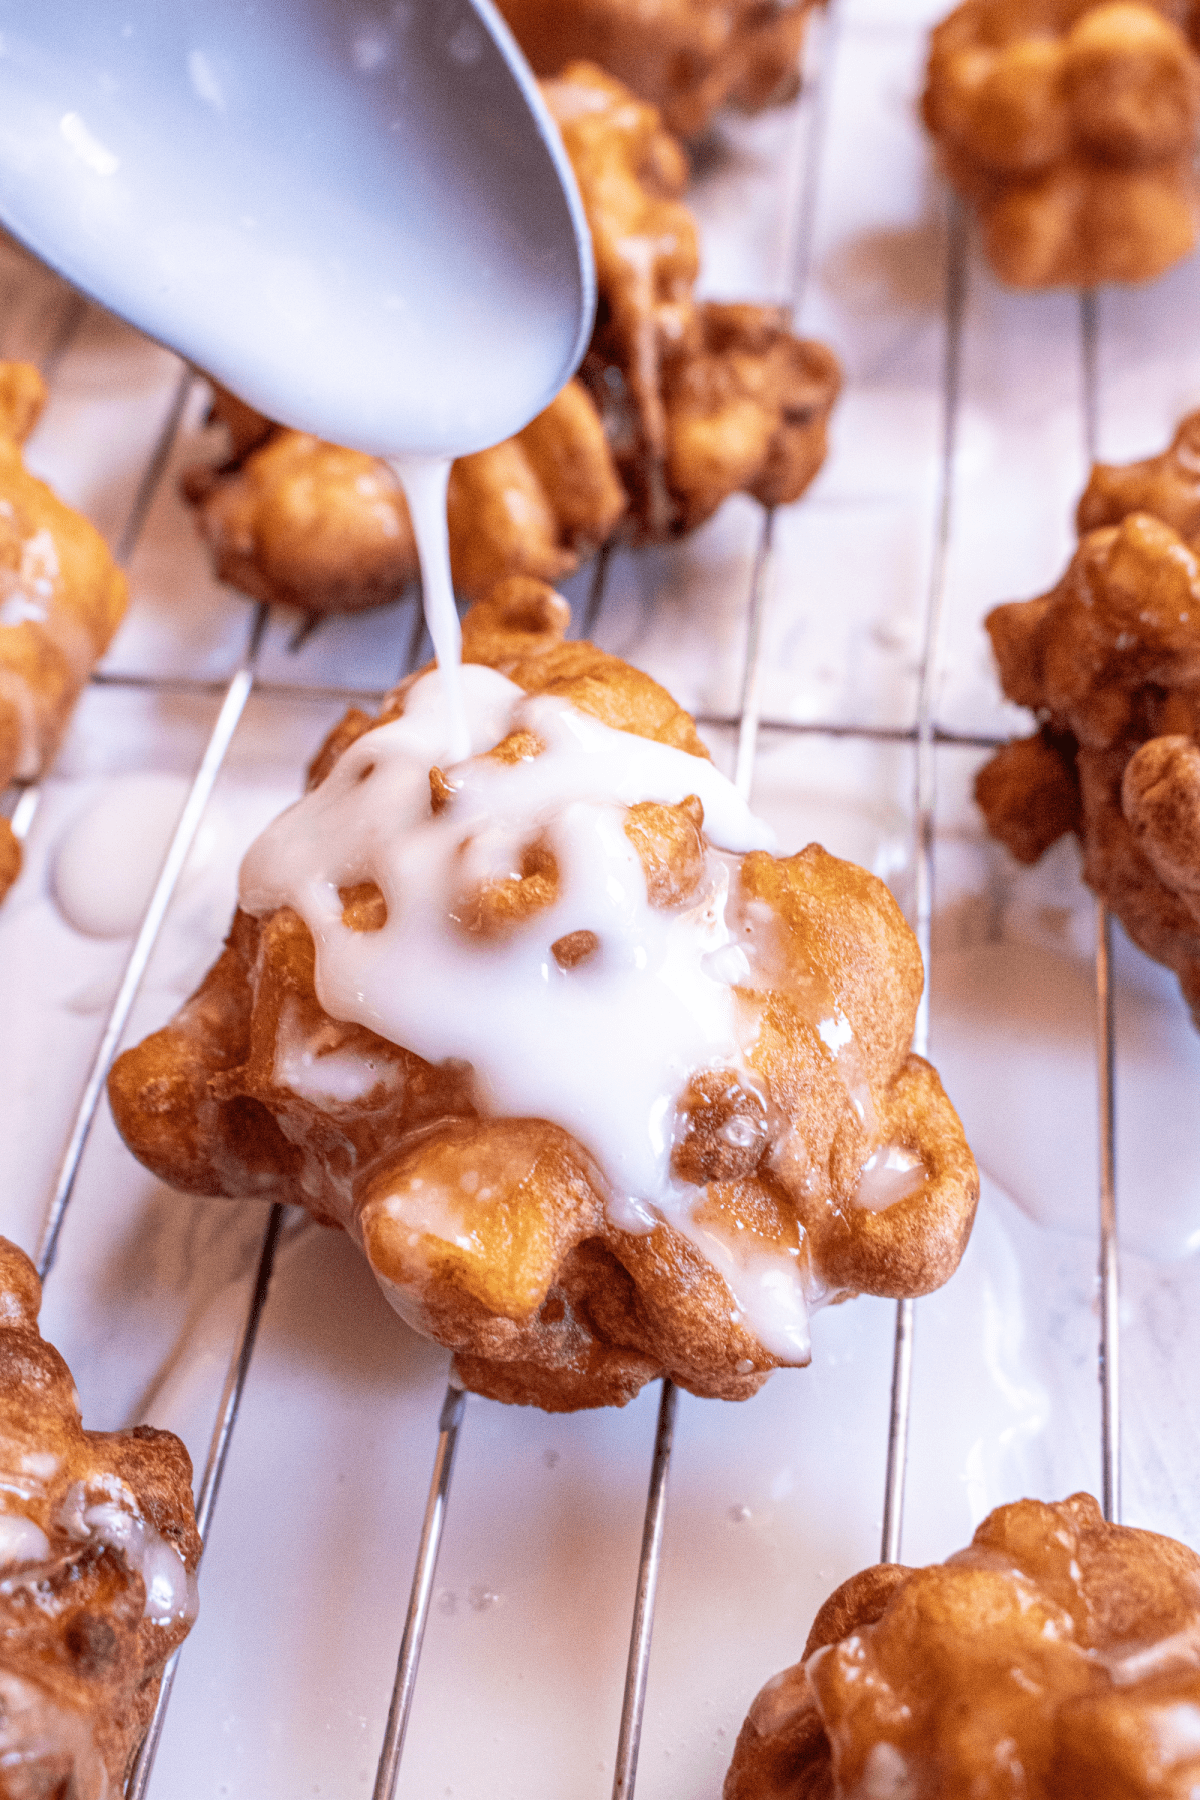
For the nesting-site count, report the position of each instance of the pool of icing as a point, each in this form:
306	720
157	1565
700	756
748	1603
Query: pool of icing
775	1501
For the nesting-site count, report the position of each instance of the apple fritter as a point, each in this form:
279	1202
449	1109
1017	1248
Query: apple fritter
61	599
698	400
687	57
293	520
98	1553
1072	127
1056	1656
631	1100
1109	663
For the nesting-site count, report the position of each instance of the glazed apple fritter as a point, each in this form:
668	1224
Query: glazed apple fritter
1073	128
1056	1657
698	400
497	1235
687	57
678	404
1109	661
98	1552
61	599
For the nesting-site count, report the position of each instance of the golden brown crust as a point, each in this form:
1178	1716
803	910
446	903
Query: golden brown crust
1110	661
687	57
782	1752
679	404
62	596
1166	486
520	1269
79	1659
1073	128
1046	1659
10	857
1029	793
1160	798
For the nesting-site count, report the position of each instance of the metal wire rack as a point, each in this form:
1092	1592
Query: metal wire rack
749	724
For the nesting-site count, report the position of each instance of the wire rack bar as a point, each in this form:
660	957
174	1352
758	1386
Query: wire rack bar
829	26
422	1592
1110	1246
236	696
73	314
202	686
924	811
408	1663
634	1699
1110	1289
153	472
878	734
214	1468
596	589
748	723
749	708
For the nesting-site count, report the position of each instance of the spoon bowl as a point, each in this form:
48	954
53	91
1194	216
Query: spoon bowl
356	214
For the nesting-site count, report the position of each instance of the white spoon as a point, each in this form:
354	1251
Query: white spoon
354	213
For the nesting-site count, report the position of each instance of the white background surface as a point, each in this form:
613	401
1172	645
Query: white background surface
284	1686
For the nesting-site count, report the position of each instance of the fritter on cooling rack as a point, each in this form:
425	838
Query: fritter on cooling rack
687	57
698	401
1109	661
659	1100
98	1551
1073	128
61	599
1055	1658
308	524
679	404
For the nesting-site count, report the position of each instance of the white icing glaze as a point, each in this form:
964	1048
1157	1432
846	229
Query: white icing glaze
26	592
602	1049
1181	1650
21	1540
108	859
768	1287
27	598
317	1072
885	1776
1175	1729
170	1586
889	1174
569	100
424	480
43	1465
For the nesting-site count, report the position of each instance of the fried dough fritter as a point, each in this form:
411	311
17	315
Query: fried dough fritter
698	400
98	1552
61	599
291	519
1109	661
1056	1656
494	1234
678	405
1073	128
686	57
